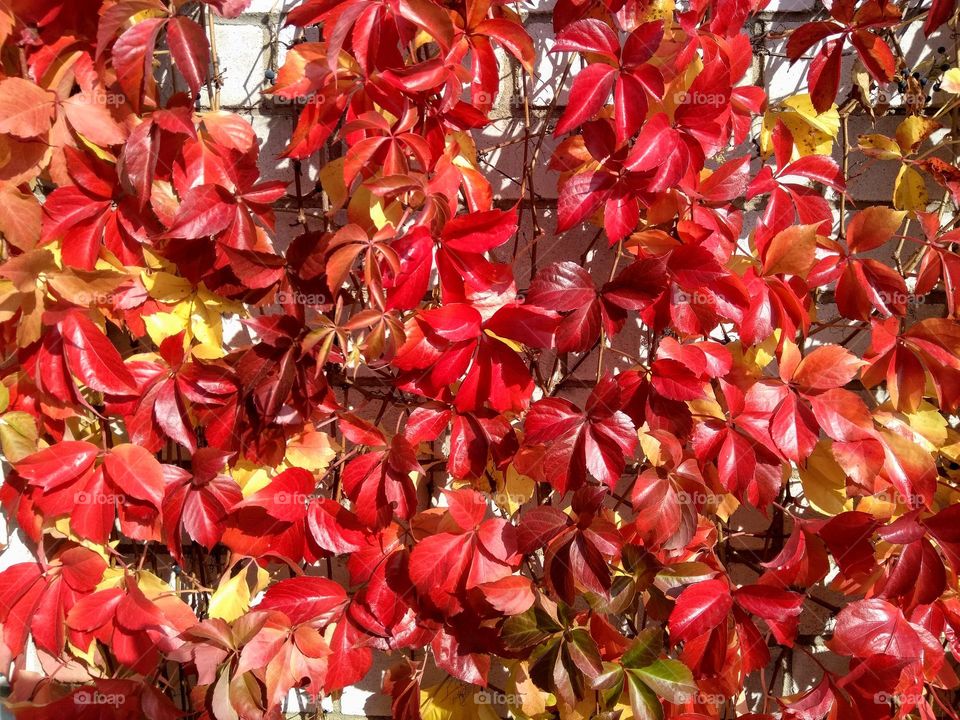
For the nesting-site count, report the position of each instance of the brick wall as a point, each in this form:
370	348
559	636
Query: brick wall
254	43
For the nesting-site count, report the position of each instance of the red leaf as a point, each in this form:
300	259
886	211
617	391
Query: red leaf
480	231
133	60
206	210
871	627
58	464
699	609
306	599
576	441
431	17
588	36
92	357
190	51
824	76
872	227
875	54
26	110
581	196
136	472
827	367
591	87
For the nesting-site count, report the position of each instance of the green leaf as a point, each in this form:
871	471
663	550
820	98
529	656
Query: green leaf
670	679
644	650
542	661
612	675
529	628
584	653
643	702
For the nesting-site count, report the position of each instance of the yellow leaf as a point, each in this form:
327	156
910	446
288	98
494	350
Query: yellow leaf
197	312
512	344
655	10
950	82
824	482
467	155
880	147
18	435
951	447
526	699
9	300
813	134
827	122
913	131
331	179
706	406
927	425
651	447
910	191
206	326
312	451
166	288
451	699
378	214
112	577
757	357
249	477
583	710
161	325
152	586
231	599
358	209
513	490
727	507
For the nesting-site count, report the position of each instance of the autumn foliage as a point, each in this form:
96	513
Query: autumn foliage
681	445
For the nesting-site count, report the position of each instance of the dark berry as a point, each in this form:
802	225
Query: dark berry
270	74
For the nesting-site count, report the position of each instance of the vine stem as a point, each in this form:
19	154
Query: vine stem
213	86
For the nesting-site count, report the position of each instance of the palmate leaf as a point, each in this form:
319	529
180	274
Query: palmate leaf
360	401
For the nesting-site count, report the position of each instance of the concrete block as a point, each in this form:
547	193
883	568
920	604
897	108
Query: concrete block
242	50
789	6
548	68
506	164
